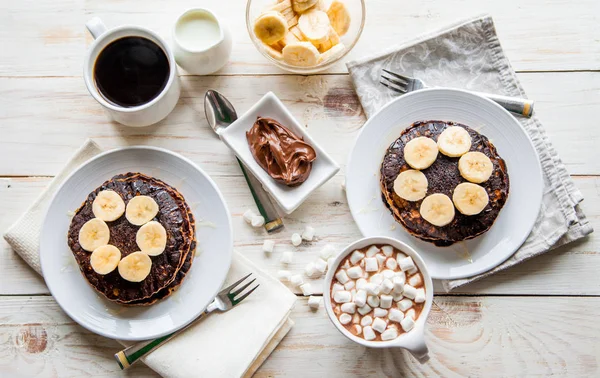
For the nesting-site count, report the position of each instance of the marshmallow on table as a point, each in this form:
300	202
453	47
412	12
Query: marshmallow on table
287	257
389	334
407	324
405	304
349	285
372	289
399	283
321	266
380	259
420	297
373	300
284	275
345	318
386	286
385	301
380	312
327	252
410	314
355	272
379	325
364	309
314	302
390	263
310	270
342	277
349	308
360	298
365	321
296	239
371	264
356	257
396	315
248	215
308	234
372	251
361	283
306	289
268	246
409	292
376	278
407	265
387	250
257	221
297	280
368	333
415	280
342	296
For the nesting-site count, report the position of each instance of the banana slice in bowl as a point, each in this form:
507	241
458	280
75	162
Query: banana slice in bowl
339	17
270	27
303	54
314	25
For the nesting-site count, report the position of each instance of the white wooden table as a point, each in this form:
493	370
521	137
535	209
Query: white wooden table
538	319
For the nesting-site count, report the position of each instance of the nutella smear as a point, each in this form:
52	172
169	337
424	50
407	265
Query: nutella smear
286	157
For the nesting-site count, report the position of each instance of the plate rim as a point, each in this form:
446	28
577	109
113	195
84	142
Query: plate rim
451	91
99	331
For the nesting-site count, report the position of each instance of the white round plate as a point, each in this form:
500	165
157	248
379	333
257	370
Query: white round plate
514	222
206	276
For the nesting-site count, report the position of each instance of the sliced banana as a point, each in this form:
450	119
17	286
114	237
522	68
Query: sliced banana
339	17
152	238
293	21
475	167
270	27
135	267
108	205
314	25
140	210
300	6
281	6
274	51
411	185
93	234
297	33
470	199
333	40
420	152
437	209
321	6
455	141
105	259
302	54
288	39
332	54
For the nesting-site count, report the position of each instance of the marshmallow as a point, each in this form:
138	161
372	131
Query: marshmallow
407	265
310	270
341	276
398	284
385	301
407	324
379	325
415	280
306	289
345	318
368	333
353	294
362	264
287	257
314	302
400	274
327	252
365	321
387	250
356	257
349	308
361	283
400	256
284	275
388	273
420	297
372	289
380	259
257	221
397	297
336	287
373	300
377	279
410	313
342	296
389	334
364	310
321	265
371	264
346	264
349	285
356	330
379	312
296	239
330	262
308	234
268	246
372	251
386	286
360	298
356	320
248	215
391	264
409	292
396	315
297	280
405	304
355	272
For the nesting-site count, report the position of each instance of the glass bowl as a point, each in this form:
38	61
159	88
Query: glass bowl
356	8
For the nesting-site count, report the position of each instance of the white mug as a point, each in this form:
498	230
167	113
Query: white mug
414	340
141	115
203	61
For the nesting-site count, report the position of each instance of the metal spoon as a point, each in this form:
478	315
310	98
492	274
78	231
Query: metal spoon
220	114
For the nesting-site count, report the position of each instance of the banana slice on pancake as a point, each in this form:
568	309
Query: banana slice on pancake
339	17
437	209
270	27
141	210
152	238
303	54
420	152
411	185
93	234
135	267
475	166
455	141
105	259
108	205
314	25
470	199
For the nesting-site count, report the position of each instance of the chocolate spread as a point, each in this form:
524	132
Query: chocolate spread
286	157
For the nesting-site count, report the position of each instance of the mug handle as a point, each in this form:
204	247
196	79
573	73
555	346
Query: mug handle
415	344
96	27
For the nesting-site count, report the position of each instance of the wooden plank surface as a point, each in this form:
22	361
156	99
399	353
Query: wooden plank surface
467	336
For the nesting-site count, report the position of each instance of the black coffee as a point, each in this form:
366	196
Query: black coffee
131	71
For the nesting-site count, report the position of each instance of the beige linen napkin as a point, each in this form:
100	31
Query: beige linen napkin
469	56
231	344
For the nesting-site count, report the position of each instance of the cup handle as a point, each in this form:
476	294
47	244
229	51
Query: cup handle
96	27
417	347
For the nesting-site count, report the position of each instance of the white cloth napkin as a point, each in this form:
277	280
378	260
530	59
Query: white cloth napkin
468	55
231	344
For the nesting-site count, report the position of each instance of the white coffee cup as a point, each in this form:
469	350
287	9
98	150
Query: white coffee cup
141	115
414	340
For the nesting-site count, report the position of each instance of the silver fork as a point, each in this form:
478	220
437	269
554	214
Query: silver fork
404	84
225	300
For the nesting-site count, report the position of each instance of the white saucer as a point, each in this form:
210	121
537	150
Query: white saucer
206	276
514	222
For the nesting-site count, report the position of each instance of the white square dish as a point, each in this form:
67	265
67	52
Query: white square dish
288	198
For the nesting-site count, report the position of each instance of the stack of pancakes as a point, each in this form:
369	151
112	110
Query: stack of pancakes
168	269
442	176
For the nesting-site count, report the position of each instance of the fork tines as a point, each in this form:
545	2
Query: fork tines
395	82
233	294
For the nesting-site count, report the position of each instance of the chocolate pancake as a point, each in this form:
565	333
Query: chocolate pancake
443	176
172	215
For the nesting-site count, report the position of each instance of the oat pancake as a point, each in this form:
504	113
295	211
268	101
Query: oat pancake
443	176
172	215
